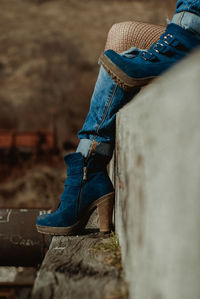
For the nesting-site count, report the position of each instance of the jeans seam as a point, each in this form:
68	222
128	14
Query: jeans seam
106	109
180	18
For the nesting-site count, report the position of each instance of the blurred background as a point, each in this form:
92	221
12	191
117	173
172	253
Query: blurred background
48	67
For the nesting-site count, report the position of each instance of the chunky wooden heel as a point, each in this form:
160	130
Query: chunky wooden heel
105	211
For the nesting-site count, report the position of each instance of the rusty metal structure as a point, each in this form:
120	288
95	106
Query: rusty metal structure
26	143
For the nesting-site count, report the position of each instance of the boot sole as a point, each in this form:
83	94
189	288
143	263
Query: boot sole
105	209
120	78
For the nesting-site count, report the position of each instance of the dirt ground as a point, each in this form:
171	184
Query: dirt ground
48	60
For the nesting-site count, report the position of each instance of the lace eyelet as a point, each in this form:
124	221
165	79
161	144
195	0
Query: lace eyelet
157	46
168	39
148	56
143	56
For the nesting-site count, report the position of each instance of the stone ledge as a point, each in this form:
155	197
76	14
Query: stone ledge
157	180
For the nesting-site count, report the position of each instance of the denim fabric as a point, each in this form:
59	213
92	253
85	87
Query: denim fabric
101	148
188	5
188	21
84	147
107	99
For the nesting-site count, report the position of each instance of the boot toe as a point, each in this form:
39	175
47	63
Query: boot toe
44	220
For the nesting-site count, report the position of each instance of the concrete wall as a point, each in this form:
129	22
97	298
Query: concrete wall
157	176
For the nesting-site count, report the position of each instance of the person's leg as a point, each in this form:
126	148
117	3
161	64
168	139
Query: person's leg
182	35
88	185
108	97
99	126
122	36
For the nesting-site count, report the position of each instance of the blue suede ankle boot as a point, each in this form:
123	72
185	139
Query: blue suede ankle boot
144	65
87	187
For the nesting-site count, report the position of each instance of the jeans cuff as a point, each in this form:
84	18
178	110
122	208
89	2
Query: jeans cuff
87	146
188	21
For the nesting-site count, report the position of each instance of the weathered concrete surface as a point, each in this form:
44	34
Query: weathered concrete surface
158	186
72	268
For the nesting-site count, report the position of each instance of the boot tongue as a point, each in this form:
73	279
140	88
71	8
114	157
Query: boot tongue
74	162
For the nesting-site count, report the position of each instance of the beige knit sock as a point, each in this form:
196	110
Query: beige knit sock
125	35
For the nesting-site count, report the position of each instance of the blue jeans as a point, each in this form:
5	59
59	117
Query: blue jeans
188	5
99	125
108	97
106	101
